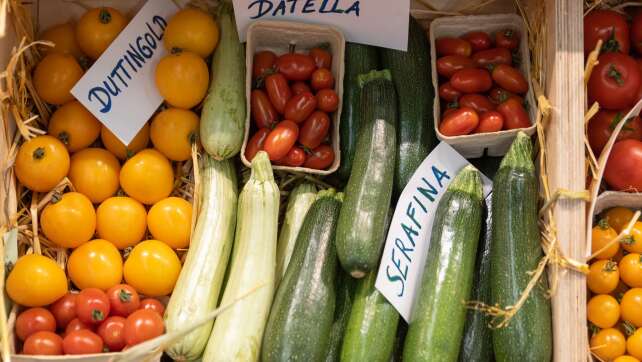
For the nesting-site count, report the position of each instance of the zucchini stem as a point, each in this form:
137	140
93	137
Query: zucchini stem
262	168
519	154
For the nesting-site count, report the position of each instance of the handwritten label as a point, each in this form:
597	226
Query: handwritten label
404	255
119	89
374	22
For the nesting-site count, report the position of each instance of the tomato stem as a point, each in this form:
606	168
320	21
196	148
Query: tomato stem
603	224
97	315
104	16
628	240
614	74
39	153
610	266
64	137
611	44
124	295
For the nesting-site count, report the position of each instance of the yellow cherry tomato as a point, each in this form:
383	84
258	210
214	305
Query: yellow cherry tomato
631	270
618	217
173	131
69	220
626	358
95	264
192	30
631	306
633	242
634	344
152	268
54	77
74	125
94	173
122	221
148	177
182	79
602	234
64	38
603	311
36	281
113	144
41	163
603	276
97	28
170	221
608	344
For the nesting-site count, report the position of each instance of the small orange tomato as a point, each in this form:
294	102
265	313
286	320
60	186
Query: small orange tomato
618	217
631	306
602	234
182	79
608	344
113	144
69	220
152	268
631	270
173	131
41	163
148	177
603	277
94	173
170	221
603	311
95	264
35	281
64	38
74	125
54	77
633	243
122	221
634	344
97	28
192	30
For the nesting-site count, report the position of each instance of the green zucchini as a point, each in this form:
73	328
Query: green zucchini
372	327
369	189
411	74
516	252
437	327
301	317
359	59
346	286
477	345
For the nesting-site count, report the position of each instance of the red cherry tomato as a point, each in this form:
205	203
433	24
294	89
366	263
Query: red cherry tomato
615	81
314	130
278	91
510	79
92	306
490	122
448	93
153	305
515	115
507	38
609	26
478	40
639	95
64	310
123	299
322	79
43	343
602	125
295	66
322	58
450	64
491	57
263	61
498	95
300	107
300	87
320	158
112	331
460	122
143	325
34	320
471	81
83	341
623	170
453	46
255	144
263	111
294	158
327	100
477	102
281	139
636	32
77	325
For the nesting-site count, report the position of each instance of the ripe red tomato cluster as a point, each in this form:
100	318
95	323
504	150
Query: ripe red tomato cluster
90	321
616	85
291	106
481	89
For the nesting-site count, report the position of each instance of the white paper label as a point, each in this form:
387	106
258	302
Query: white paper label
375	22
404	255
119	89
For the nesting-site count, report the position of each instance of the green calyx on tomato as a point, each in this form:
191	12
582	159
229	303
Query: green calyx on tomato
124	295
611	266
97	315
603	224
627	240
616	120
611	44
615	75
